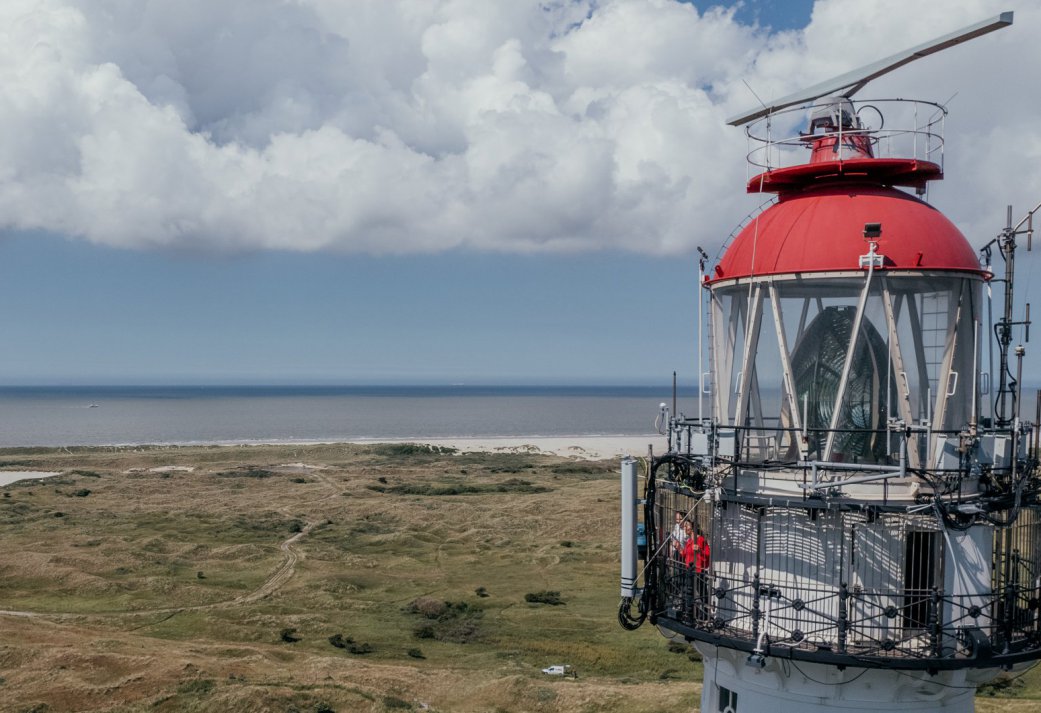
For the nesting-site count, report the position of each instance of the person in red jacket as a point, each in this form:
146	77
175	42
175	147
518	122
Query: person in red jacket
702	553
688	550
702	556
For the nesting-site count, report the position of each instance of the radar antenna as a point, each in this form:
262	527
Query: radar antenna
850	83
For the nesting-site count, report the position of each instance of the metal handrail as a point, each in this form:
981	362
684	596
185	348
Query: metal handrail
924	135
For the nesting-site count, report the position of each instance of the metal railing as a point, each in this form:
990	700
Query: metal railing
915	130
842	587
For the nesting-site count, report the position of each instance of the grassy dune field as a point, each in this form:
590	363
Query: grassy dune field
327	578
318	578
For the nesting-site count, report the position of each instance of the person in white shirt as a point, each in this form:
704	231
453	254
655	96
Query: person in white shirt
679	536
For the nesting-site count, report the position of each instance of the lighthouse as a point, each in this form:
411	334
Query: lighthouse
852	522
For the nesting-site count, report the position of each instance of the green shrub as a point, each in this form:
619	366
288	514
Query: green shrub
428	607
250	471
197	687
544	597
411	449
454	622
513	485
349	645
84	473
1004	686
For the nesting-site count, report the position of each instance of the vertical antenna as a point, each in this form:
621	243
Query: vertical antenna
674	411
1037	423
702	256
1020	353
990	331
974	414
1007	246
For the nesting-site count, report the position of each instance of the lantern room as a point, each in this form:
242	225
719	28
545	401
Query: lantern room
845	307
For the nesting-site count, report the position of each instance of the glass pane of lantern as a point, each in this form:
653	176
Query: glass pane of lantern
912	361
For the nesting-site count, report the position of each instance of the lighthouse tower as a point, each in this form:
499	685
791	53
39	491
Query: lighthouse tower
855	523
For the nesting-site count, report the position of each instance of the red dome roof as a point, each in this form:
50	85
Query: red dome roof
823	230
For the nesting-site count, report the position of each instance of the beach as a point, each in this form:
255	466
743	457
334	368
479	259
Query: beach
579	447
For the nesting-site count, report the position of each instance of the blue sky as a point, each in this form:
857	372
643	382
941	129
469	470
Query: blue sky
76	313
81	313
148	260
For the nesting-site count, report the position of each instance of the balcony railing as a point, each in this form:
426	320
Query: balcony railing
842	587
889	128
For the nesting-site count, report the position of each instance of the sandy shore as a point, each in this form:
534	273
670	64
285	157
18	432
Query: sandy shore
582	447
13	476
585	447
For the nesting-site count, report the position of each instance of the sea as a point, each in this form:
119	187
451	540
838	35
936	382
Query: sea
137	415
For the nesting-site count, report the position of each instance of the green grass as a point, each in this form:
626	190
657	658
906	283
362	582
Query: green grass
513	485
381	561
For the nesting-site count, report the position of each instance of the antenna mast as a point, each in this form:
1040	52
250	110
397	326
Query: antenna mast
1007	385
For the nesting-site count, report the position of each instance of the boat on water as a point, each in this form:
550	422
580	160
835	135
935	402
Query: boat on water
852	521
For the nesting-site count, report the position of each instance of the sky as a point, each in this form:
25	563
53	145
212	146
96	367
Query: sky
429	191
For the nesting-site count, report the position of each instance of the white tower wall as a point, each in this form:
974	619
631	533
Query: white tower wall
732	686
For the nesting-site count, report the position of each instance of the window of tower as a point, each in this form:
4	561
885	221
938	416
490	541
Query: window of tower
920	576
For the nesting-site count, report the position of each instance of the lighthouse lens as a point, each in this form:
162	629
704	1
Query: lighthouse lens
819	359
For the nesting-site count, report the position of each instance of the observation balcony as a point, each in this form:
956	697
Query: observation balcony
899	583
896	142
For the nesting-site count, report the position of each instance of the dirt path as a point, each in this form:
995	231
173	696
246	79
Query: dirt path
273	583
277	579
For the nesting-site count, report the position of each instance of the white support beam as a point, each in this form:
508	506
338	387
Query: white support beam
896	357
942	383
919	352
754	320
722	358
786	370
840	396
802	321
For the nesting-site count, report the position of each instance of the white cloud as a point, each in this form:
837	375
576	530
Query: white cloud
422	125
